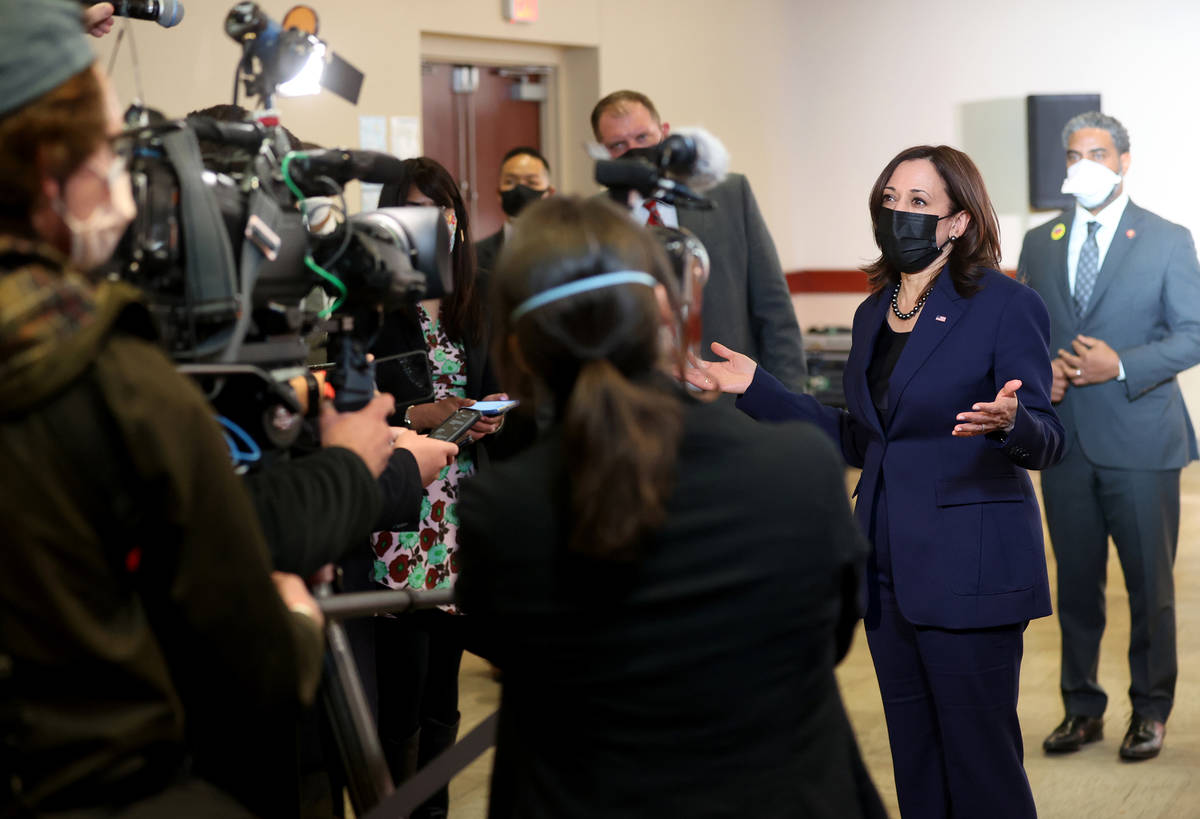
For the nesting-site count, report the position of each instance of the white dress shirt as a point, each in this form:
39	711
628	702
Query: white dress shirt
1108	218
668	214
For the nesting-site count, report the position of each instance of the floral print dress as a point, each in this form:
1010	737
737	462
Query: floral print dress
428	558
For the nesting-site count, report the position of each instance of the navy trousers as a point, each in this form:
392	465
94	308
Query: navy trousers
950	699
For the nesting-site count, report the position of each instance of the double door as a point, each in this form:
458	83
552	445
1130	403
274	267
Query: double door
471	116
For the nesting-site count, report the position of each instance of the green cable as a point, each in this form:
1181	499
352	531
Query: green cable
308	259
332	279
287	176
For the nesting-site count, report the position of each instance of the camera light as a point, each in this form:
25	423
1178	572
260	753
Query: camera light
308	79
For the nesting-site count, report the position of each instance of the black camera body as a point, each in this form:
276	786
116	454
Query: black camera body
229	260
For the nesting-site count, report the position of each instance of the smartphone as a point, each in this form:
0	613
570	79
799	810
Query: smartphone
493	408
455	428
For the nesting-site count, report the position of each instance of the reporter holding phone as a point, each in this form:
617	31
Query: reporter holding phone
665	585
417	655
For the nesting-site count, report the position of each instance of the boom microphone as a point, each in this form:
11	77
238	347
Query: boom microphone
678	170
166	13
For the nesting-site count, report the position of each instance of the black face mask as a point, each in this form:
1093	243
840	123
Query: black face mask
514	200
908	240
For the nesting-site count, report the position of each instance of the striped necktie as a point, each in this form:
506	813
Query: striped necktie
1086	270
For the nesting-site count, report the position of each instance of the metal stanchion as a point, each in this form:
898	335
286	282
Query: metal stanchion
345	704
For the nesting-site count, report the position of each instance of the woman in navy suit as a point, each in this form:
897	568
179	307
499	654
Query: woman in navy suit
958	566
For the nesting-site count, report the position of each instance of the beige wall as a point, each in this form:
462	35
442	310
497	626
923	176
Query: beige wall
811	97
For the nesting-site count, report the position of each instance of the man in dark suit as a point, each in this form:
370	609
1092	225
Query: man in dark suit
524	178
1123	289
746	299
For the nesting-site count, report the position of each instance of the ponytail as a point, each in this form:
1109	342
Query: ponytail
623	439
579	333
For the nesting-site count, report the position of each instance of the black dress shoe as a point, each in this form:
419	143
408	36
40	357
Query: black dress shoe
1144	739
1073	733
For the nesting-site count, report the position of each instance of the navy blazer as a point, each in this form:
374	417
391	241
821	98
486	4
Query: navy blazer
963	521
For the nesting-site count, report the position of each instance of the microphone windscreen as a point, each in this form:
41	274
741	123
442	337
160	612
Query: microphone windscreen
712	159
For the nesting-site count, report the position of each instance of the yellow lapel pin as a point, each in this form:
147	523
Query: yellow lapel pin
1058	231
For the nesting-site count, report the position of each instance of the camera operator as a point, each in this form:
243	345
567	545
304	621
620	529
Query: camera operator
139	620
747	296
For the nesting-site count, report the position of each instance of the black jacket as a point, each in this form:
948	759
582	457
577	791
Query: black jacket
696	681
137	615
488	250
316	508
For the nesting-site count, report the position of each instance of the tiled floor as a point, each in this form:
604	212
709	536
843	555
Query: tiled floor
1090	783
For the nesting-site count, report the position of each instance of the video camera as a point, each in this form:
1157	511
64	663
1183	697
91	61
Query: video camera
677	171
229	255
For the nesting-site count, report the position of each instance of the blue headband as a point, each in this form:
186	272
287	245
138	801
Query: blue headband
581	286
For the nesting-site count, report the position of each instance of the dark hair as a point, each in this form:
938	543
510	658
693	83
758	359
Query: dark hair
525	150
617	101
462	313
977	248
50	136
226	158
597	356
1095	119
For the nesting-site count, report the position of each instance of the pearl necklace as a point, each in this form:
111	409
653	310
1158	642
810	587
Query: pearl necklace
916	307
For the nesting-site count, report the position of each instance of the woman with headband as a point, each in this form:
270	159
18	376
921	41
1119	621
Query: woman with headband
667	643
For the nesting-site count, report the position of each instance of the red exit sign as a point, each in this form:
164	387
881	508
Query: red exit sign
521	11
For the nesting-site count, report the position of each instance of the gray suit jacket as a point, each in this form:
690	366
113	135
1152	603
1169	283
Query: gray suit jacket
1146	305
746	303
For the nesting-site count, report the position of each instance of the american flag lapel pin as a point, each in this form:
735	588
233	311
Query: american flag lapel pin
940	318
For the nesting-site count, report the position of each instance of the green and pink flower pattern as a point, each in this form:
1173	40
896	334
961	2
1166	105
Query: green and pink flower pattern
428	558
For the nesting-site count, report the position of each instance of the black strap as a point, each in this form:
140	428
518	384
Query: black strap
438	772
211	279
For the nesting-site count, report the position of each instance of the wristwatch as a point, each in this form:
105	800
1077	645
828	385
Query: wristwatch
407	417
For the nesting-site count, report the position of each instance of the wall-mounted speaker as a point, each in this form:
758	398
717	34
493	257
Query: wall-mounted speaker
1046	115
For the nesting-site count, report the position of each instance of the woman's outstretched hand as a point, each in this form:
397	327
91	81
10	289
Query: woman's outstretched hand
732	375
997	416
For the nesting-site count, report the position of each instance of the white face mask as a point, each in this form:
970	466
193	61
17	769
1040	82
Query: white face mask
1090	182
94	238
